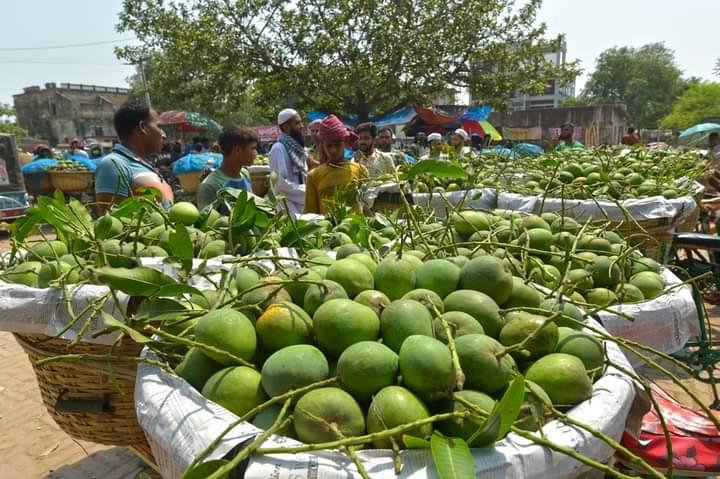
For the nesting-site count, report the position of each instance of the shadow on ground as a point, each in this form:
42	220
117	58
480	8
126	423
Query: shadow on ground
115	463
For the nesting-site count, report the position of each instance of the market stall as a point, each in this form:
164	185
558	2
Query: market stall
162	283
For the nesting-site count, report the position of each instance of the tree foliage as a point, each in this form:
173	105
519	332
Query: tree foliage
358	57
699	101
168	91
646	79
6	125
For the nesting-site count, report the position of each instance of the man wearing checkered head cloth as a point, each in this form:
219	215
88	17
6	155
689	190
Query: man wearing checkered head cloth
337	172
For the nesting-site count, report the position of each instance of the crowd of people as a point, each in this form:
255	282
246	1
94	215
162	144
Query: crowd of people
305	176
308	169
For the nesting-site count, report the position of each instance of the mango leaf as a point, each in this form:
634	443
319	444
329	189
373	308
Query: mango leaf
292	237
452	456
502	416
381	219
174	316
149	192
262	219
174	290
441	169
412	442
102	229
201	471
488	433
127	208
25	226
182	247
113	323
243	210
139	281
81	215
510	404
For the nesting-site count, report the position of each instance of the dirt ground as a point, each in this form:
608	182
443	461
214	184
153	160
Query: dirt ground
32	446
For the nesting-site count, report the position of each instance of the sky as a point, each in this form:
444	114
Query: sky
689	27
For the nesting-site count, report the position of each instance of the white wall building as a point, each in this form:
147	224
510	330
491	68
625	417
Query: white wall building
554	94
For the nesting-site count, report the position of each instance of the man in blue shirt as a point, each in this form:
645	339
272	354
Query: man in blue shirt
126	169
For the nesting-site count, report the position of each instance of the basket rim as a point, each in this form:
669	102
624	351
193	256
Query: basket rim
74	172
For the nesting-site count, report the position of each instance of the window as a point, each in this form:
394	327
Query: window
99	131
54	109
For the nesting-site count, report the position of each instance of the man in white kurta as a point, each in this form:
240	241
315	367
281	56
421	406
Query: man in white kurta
289	162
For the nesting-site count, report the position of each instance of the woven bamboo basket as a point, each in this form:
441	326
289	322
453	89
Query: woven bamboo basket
71	181
190	181
88	399
260	182
38	184
690	224
653	237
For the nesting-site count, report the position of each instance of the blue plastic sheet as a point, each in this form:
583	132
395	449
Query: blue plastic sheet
196	162
477	113
38	166
400	117
86	162
498	150
528	149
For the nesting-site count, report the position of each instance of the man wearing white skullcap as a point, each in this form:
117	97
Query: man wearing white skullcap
289	161
437	147
458	138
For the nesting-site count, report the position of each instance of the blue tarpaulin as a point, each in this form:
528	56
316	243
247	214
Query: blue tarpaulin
86	162
315	115
528	149
38	166
400	117
499	150
477	113
196	162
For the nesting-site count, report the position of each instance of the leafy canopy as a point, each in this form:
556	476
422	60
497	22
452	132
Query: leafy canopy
6	125
646	79
699	101
358	57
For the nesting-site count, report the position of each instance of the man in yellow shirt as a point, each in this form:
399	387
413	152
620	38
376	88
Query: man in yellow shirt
325	180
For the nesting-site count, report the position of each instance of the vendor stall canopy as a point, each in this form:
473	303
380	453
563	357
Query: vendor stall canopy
699	133
430	120
187	121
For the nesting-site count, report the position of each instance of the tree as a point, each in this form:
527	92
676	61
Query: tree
716	68
646	79
699	101
7	121
360	57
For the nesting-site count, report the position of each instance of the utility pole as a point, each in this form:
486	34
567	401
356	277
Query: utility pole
140	62
142	78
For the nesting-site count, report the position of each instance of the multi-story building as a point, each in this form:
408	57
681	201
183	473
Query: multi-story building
555	92
59	113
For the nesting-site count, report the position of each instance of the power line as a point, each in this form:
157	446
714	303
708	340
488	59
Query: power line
58	62
75	45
